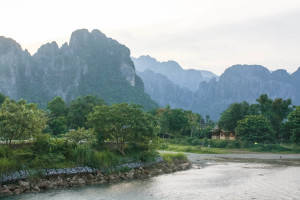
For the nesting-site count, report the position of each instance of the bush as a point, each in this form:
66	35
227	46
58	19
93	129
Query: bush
147	156
169	157
82	155
233	144
196	142
2	153
8	166
105	159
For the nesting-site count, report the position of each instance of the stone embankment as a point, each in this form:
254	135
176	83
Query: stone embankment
64	180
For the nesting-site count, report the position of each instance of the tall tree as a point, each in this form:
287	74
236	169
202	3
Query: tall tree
293	125
80	108
58	115
234	113
19	120
275	111
122	123
255	128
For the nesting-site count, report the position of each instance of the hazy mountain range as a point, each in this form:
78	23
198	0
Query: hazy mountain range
168	84
94	64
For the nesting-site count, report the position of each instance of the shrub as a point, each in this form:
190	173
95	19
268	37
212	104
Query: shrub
105	159
169	157
2	153
82	155
8	166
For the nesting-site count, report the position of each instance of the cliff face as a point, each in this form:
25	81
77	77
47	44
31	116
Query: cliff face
238	83
243	83
164	91
90	64
14	67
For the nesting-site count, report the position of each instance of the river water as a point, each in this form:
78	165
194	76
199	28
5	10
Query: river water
215	180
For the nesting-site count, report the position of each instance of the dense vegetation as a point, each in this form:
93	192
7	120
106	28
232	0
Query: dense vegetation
88	132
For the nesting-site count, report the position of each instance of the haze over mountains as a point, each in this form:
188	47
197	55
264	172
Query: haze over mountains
93	64
90	64
212	95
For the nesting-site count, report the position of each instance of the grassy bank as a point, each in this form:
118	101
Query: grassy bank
208	146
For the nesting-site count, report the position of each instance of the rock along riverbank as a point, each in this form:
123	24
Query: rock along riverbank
64	180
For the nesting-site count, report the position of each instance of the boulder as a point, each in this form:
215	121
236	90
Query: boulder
81	181
18	191
6	191
36	188
24	185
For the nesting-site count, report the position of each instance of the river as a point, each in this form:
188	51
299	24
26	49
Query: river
212	177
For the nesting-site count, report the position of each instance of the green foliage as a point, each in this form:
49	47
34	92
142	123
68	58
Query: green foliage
121	123
169	157
80	108
105	159
2	152
292	126
8	166
57	107
19	120
42	144
234	113
275	111
2	98
255	128
82	155
81	135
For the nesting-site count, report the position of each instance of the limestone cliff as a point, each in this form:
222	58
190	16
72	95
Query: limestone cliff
90	64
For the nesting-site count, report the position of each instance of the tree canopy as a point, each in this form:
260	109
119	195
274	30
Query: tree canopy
255	128
19	120
122	123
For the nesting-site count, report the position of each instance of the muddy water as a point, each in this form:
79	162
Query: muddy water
215	180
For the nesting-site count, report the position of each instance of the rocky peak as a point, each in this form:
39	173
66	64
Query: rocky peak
296	74
79	38
244	72
8	45
281	75
49	50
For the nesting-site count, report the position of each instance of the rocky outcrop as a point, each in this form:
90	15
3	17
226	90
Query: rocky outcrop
92	64
95	177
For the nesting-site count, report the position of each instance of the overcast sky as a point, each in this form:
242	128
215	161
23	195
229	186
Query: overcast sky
200	34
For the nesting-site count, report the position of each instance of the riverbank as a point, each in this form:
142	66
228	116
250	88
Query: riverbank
31	185
203	160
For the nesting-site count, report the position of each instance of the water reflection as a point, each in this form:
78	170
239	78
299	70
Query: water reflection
217	181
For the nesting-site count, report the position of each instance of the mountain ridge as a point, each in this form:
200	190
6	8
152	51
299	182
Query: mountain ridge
90	64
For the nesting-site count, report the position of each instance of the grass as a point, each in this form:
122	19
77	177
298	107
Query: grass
194	149
169	157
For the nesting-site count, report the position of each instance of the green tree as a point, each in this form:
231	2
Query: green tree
2	98
177	122
81	135
255	128
293	125
122	123
57	107
194	121
19	120
80	108
58	116
234	113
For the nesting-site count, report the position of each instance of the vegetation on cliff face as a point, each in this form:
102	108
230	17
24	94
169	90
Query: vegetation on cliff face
91	64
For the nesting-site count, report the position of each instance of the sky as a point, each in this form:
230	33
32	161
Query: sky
200	34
